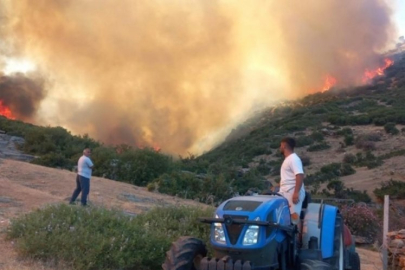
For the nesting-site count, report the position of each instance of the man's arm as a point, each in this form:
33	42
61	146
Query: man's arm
299	178
90	163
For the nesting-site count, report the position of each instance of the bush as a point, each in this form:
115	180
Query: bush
395	189
361	220
365	145
338	169
304	141
204	188
357	195
318	147
317	136
349	158
348	140
368	160
53	160
391	129
141	166
95	238
345	131
306	161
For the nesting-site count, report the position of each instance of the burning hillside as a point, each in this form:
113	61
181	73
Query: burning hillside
180	75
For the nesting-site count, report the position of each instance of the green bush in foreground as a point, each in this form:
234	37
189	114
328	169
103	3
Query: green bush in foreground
96	238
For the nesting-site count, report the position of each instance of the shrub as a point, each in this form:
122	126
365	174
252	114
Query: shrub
141	166
338	169
368	160
365	145
372	137
337	187
53	160
317	136
263	168
395	189
305	160
361	220
96	238
349	158
345	131
204	188
391	129
357	195
304	141
348	140
318	147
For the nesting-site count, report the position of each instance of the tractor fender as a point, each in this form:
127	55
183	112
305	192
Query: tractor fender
319	222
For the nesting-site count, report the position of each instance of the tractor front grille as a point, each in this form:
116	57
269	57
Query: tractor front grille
234	230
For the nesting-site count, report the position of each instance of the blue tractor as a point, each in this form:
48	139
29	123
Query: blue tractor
255	233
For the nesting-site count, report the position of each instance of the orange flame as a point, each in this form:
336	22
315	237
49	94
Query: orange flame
329	83
156	147
5	111
370	74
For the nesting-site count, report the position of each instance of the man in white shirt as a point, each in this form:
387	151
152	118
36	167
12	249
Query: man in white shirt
84	170
292	178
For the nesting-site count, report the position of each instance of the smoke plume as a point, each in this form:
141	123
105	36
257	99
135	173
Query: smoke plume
21	95
178	74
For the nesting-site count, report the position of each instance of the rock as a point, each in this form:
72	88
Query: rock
362	240
8	148
397	243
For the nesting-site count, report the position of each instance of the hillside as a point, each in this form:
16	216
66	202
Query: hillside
358	128
25	187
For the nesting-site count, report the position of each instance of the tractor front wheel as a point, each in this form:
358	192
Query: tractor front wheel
315	265
185	254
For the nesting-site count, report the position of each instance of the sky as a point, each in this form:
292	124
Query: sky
399	16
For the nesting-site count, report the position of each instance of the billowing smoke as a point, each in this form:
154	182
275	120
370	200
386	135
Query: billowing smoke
177	74
21	95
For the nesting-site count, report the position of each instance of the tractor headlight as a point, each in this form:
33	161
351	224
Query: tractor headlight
219	233
251	235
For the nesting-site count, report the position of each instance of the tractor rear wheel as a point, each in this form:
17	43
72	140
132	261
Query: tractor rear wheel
185	254
315	265
338	246
354	261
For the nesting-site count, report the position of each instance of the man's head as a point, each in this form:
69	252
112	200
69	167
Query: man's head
87	152
287	146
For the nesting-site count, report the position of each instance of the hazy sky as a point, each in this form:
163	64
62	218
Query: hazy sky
400	16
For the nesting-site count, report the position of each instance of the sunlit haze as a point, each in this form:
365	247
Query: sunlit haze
18	65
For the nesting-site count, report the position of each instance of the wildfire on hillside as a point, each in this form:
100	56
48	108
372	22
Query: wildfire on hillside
156	147
370	74
5	111
329	83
